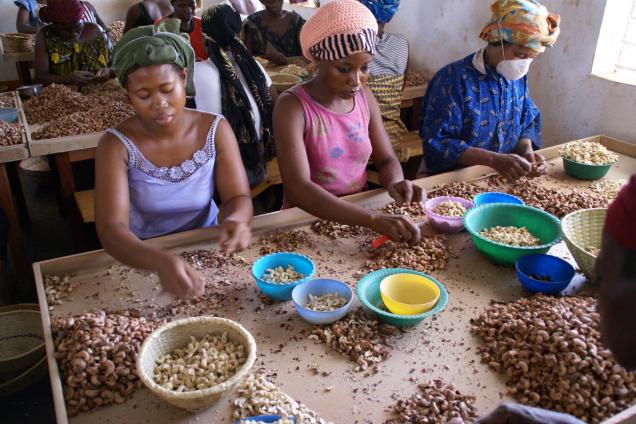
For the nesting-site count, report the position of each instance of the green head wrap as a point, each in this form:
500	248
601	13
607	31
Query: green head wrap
154	45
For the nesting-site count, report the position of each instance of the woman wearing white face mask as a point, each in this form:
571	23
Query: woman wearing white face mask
478	111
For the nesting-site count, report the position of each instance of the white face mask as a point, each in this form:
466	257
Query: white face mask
513	70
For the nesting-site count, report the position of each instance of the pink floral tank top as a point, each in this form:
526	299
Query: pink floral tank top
338	145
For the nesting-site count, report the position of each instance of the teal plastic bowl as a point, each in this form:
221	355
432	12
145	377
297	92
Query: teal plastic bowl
368	291
541	224
583	171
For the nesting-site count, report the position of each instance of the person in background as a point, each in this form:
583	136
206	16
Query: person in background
387	69
273	33
478	111
69	50
91	15
328	127
245	7
190	24
146	12
156	173
4	239
27	20
231	82
616	268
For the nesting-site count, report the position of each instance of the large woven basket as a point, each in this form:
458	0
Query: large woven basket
176	334
21	339
283	81
582	229
16	42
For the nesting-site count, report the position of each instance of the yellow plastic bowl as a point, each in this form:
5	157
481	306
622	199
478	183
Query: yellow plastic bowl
408	294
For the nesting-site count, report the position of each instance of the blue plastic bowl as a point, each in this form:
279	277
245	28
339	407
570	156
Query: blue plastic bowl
8	114
301	264
264	418
496	197
556	269
318	287
368	291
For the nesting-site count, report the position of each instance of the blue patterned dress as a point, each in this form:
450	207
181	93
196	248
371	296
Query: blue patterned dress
470	105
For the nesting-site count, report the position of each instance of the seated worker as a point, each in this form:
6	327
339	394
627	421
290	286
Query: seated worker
190	24
156	172
27	20
231	82
273	33
68	50
478	111
328	127
616	268
146	12
387	69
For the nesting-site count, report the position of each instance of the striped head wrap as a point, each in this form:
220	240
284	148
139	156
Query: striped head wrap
339	29
523	22
65	12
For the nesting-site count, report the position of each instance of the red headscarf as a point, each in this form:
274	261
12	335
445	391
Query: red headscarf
67	12
620	221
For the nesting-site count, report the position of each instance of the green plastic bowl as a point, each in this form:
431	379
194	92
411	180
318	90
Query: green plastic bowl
583	171
368	291
541	224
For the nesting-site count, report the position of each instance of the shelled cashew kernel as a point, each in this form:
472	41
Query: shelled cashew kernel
325	303
608	189
280	275
513	236
588	152
450	209
202	364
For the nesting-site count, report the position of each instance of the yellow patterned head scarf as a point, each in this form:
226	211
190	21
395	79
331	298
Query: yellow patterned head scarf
154	45
523	22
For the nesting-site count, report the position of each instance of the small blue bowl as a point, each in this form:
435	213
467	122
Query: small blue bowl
558	271
8	114
368	291
264	418
318	287
496	197
301	264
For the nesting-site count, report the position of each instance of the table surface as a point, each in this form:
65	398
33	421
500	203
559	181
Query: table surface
441	347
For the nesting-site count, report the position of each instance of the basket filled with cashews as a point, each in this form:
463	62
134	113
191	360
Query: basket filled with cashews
192	362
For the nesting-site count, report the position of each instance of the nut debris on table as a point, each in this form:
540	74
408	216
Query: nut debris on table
430	254
550	351
259	396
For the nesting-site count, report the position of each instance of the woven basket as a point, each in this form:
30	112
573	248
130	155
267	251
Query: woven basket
583	229
21	339
31	376
176	334
283	81
16	42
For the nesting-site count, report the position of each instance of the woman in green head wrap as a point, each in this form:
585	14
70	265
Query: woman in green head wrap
156	172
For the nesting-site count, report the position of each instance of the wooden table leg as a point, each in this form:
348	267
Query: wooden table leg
24	72
66	178
16	245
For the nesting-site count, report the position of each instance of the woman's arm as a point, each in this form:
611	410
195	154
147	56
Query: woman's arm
231	181
131	18
389	168
112	207
23	23
300	191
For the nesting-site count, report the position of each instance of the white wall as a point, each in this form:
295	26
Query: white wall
574	103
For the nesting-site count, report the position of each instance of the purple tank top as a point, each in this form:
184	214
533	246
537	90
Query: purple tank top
170	200
338	145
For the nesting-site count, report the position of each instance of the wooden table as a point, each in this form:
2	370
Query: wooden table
9	192
23	61
442	346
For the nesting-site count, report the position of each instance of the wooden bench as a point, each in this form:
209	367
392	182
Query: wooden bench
85	200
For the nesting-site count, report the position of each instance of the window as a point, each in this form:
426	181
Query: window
627	57
615	57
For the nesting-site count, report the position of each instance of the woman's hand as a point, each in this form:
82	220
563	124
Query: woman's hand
511	166
235	236
539	165
406	192
398	227
103	74
177	277
81	77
